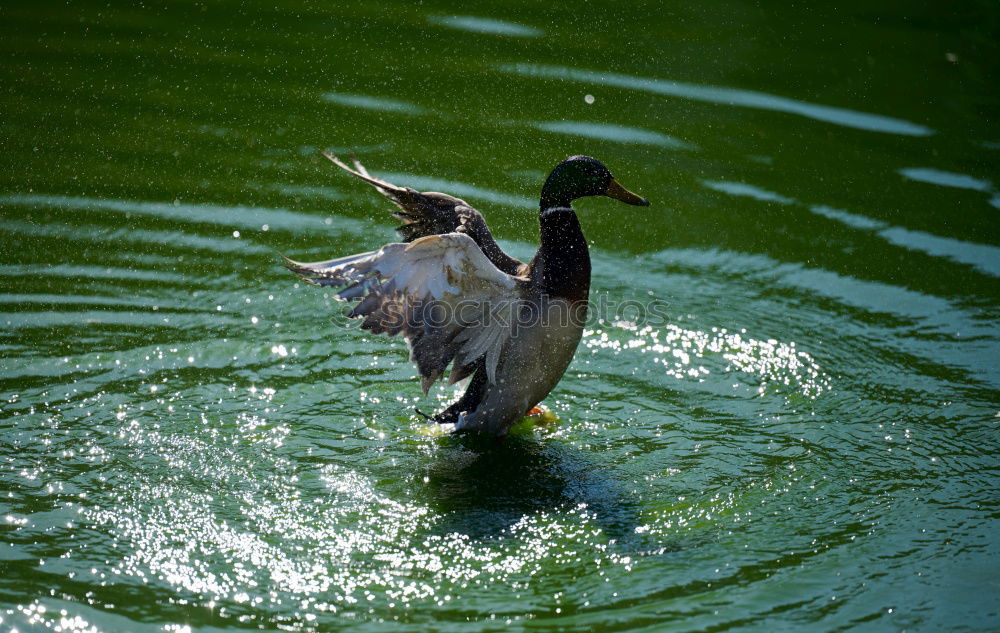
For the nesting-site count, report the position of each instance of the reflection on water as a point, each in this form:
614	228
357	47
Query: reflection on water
946	178
982	257
609	132
231	216
852	220
750	191
727	96
491	26
138	237
372	103
326	193
951	179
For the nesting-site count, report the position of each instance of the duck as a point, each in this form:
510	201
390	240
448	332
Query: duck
511	328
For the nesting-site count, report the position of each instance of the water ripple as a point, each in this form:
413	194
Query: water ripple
491	26
230	216
983	257
728	96
610	132
946	178
372	103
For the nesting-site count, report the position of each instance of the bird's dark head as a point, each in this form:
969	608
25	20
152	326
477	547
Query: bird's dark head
580	176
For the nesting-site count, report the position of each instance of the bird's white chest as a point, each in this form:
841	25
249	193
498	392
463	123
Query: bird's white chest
535	360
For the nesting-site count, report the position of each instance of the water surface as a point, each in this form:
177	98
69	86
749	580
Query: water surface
783	415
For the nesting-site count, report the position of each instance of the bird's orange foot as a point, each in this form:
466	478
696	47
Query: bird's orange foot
536	417
541	415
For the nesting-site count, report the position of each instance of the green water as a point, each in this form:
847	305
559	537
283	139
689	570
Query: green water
808	440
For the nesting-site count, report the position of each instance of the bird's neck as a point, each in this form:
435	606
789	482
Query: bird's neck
563	257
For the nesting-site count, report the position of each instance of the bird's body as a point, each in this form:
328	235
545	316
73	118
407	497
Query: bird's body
459	300
533	364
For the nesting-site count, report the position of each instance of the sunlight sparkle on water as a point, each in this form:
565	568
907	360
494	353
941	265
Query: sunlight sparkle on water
686	355
354	544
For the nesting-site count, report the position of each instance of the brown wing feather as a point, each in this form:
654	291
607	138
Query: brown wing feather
432	213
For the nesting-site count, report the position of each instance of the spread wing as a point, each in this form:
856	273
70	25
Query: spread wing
440	292
432	213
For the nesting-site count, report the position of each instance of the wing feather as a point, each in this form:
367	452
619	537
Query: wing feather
440	292
431	213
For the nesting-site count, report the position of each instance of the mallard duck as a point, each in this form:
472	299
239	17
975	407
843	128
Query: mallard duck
459	300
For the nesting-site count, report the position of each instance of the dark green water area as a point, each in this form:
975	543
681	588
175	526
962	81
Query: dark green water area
784	415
